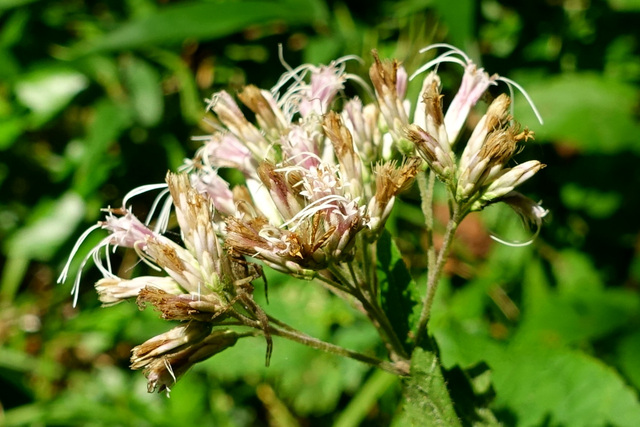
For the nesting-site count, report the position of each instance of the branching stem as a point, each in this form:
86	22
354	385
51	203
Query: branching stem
281	329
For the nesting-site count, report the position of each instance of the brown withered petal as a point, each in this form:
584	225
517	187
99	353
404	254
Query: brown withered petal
180	307
391	180
252	97
338	134
500	146
164	370
433	102
186	334
498	113
425	143
383	73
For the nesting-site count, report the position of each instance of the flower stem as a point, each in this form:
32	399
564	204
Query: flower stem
375	313
426	194
286	331
435	271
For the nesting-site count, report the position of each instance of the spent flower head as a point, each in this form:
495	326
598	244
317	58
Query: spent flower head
321	176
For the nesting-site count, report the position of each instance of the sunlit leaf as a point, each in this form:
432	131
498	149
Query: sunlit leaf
309	380
51	224
625	5
562	387
425	399
48	89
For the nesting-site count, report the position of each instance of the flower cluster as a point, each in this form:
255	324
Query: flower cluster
321	175
315	178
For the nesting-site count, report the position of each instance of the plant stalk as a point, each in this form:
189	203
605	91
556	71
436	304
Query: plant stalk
435	271
286	331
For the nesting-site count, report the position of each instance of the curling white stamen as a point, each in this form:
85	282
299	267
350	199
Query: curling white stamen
211	102
156	201
81	239
144	257
524	93
140	190
442	58
163	217
517	244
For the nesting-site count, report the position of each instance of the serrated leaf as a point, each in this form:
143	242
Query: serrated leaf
561	387
200	21
426	401
398	293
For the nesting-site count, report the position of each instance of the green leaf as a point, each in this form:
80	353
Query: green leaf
201	21
399	295
48	89
597	204
579	318
49	226
625	5
13	28
465	344
310	381
143	83
191	104
459	18
9	4
561	387
10	129
426	400
628	351
592	113
109	122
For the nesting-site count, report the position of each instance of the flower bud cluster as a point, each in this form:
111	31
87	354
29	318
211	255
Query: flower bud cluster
481	175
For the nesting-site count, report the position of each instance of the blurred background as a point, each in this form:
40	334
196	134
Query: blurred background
99	97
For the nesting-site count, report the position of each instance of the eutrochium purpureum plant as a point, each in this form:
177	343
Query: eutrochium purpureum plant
321	174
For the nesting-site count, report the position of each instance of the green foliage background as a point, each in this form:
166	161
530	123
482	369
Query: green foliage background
99	97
